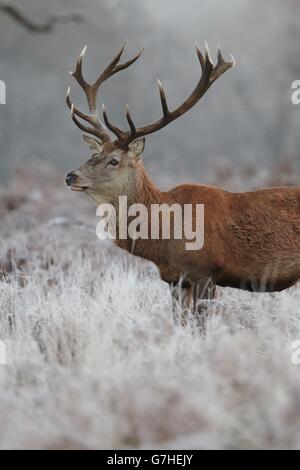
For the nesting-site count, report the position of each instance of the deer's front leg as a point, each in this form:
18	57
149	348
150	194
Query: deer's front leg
182	296
203	290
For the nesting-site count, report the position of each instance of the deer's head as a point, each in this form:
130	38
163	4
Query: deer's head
114	164
110	171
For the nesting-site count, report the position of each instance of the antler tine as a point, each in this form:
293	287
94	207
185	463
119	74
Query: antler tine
209	75
207	65
90	130
108	72
90	119
129	120
222	65
118	132
128	62
77	74
91	90
98	129
200	56
121	135
208	59
113	67
87	88
163	98
221	59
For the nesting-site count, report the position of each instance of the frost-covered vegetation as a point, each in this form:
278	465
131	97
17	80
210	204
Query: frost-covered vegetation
96	360
96	357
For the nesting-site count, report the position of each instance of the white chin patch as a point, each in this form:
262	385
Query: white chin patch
77	188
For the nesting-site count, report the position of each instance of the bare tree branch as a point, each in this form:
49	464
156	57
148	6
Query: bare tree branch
27	23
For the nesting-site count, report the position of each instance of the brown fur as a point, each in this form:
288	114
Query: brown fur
252	239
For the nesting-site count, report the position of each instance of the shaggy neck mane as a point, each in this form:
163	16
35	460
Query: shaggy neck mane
144	191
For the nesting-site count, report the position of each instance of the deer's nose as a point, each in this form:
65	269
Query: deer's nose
71	178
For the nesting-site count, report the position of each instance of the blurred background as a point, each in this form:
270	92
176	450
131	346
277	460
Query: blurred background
95	358
246	123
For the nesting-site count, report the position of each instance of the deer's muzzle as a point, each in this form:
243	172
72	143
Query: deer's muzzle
73	182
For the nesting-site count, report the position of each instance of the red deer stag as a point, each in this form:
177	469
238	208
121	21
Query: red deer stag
251	239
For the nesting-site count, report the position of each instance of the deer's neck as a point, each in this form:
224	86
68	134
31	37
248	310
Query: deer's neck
141	190
144	191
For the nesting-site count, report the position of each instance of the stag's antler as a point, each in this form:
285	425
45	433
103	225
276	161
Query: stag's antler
91	90
209	75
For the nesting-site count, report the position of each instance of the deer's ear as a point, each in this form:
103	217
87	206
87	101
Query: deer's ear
136	148
94	144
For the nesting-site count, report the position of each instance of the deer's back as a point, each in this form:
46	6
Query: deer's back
248	236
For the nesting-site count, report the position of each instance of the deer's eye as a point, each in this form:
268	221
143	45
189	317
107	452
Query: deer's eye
113	162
